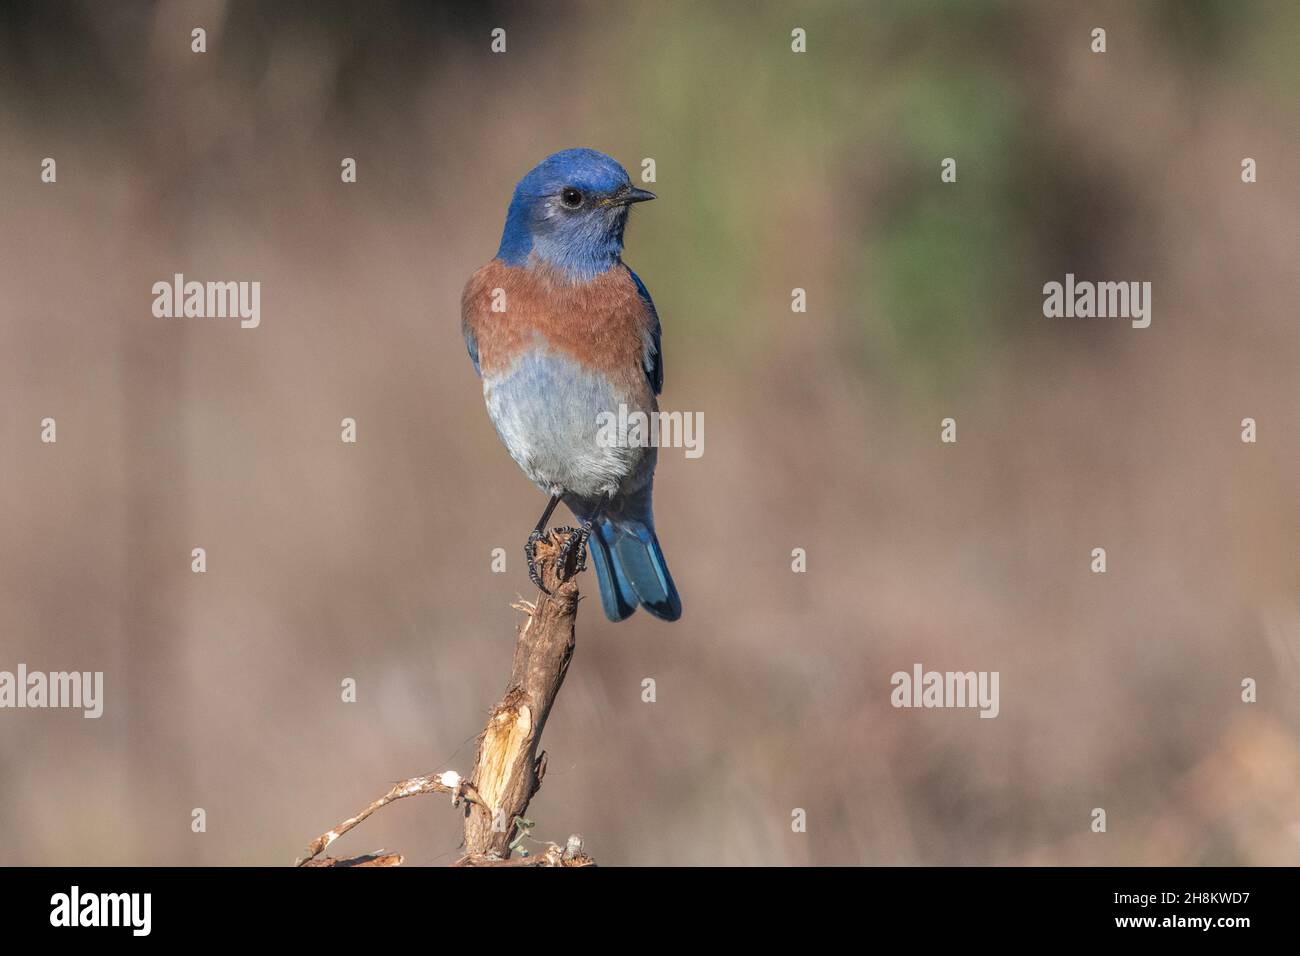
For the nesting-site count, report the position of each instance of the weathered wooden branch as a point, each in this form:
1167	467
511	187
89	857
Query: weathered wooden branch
378	858
447	782
509	764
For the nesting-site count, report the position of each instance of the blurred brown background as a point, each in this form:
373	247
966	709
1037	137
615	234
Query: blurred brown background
775	170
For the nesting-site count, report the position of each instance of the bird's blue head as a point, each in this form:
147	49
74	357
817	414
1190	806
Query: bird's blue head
569	212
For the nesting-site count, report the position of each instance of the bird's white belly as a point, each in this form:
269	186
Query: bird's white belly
549	412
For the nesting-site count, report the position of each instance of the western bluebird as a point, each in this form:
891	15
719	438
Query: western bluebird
561	332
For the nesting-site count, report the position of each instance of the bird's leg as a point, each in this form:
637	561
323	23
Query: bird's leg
578	538
536	536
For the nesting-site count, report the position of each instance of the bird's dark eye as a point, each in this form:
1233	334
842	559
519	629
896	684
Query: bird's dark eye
571	197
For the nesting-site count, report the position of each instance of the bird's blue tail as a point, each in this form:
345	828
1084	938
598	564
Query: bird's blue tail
631	570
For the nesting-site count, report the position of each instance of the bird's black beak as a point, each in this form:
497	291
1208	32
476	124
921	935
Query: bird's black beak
630	194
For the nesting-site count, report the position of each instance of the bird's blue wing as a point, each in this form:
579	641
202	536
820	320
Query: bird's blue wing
471	343
653	358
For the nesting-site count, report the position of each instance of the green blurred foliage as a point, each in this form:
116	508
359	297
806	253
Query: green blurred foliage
937	274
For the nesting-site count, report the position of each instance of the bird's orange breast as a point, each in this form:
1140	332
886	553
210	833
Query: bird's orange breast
602	323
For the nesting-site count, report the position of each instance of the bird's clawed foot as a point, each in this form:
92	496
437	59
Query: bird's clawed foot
575	546
530	556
